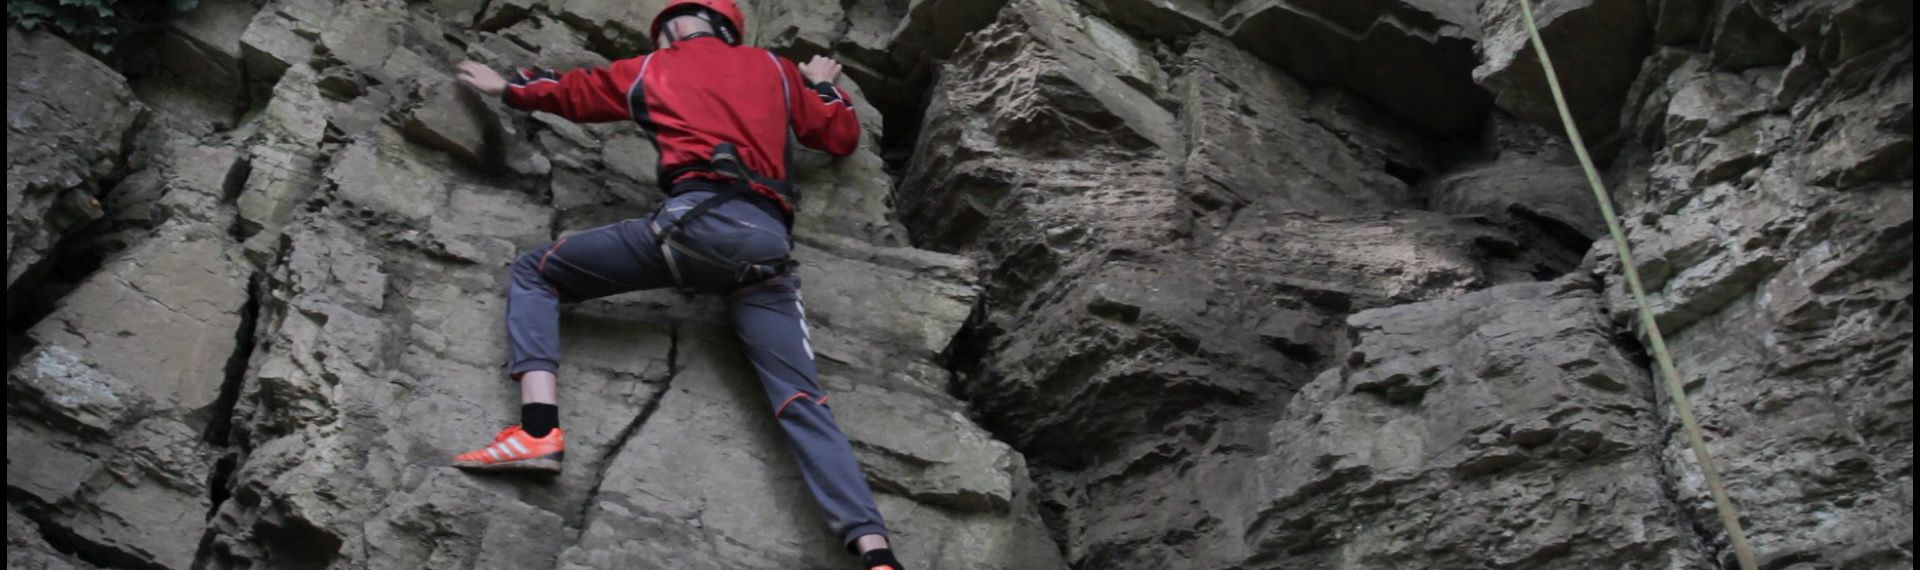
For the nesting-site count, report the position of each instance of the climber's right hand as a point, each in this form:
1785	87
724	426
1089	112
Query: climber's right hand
820	69
482	78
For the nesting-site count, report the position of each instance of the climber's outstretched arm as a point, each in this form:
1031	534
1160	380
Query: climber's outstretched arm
582	95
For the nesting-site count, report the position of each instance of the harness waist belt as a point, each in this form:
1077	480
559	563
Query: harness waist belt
740	185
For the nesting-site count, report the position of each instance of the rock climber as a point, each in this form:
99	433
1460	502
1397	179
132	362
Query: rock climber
719	113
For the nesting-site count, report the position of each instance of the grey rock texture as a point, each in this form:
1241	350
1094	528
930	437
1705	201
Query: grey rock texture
1163	280
69	118
1513	408
202	50
1774	222
1604	41
309	299
27	551
1110	284
1412	57
126	376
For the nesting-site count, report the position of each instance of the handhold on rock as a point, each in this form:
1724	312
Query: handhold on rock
454	120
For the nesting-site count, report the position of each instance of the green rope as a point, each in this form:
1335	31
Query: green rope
1729	515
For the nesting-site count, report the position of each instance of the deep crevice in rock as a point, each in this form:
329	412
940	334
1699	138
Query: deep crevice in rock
900	132
1410	174
18	345
31	297
220	425
488	20
40	291
966	355
67	264
218	481
480	14
1053	517
603	463
967	352
1703	534
1558	233
230	191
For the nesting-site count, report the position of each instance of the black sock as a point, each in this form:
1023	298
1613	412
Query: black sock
881	557
539	419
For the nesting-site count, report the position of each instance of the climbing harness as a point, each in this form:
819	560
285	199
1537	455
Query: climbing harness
1676	388
740	183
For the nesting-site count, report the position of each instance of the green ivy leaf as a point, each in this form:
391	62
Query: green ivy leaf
34	10
88	23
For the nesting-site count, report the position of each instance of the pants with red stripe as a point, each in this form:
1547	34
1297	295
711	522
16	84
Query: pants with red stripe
769	318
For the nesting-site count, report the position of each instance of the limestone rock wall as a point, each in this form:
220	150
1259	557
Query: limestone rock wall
1110	284
294	320
1782	266
69	118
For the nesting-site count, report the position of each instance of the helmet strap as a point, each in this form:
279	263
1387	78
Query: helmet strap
721	27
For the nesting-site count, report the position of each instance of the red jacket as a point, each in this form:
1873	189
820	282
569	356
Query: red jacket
697	94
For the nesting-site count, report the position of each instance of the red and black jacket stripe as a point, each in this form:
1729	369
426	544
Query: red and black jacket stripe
697	94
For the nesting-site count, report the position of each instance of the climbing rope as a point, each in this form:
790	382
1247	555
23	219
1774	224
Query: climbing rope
1729	515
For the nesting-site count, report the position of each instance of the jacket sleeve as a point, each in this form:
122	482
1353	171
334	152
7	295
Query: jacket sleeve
581	95
823	116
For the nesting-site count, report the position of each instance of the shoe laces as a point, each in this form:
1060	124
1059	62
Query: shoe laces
507	433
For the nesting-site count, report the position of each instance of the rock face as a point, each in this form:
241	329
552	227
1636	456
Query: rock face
1412	57
125	379
69	118
1512	408
1114	284
1604	41
1781	264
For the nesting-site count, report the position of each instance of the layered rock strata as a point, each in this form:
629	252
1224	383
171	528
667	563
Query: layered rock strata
1110	284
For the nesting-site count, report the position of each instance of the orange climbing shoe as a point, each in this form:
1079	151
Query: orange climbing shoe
514	450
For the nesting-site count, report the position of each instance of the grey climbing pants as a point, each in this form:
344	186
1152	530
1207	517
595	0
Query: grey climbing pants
768	317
